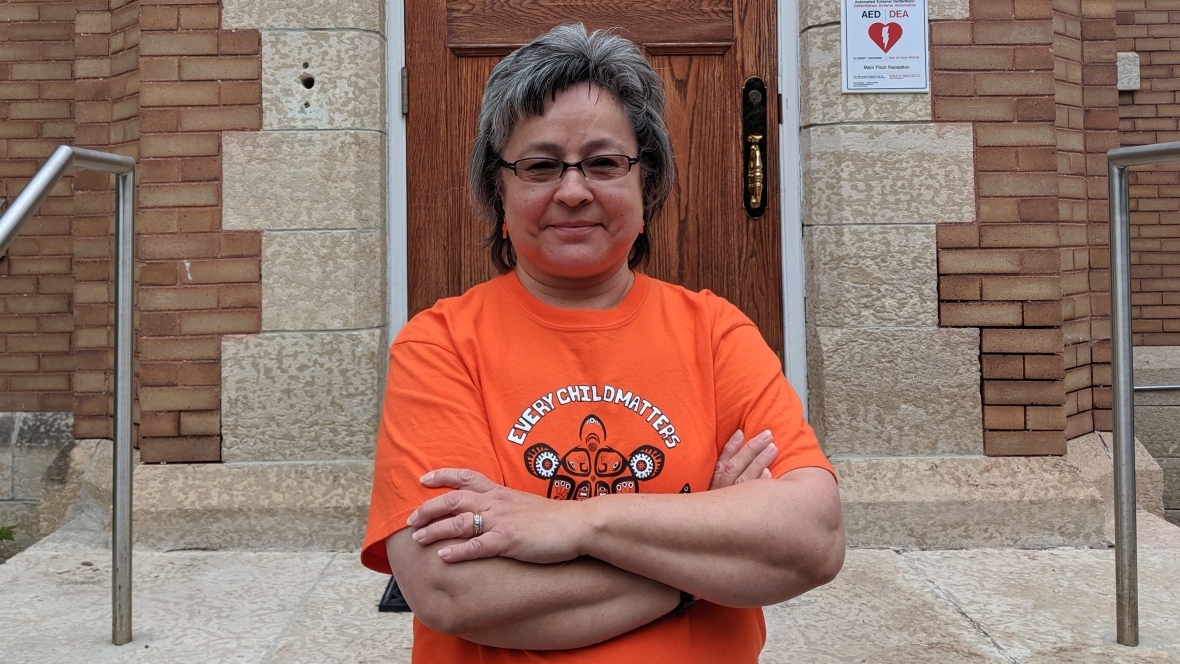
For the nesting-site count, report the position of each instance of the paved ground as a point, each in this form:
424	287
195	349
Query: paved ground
984	605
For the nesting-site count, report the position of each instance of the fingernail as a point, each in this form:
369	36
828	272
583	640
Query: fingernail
444	553
418	535
770	449
427	477
736	435
413	517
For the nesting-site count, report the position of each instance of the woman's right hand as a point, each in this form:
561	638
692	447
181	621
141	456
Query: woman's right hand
739	463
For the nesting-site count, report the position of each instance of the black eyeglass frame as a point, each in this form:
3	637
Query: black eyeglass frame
565	166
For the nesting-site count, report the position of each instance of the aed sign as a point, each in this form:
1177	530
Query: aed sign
884	46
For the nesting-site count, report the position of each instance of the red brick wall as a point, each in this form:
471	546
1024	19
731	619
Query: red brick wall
158	80
106	116
1151	28
1023	74
36	279
1087	126
197	282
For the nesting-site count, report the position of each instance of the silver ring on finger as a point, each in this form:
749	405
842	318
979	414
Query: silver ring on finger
478	521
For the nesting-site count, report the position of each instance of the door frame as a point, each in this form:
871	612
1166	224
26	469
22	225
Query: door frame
790	177
794	351
397	275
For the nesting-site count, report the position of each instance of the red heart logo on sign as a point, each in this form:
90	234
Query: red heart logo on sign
885	35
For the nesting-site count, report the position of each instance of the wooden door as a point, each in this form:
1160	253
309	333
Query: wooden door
703	49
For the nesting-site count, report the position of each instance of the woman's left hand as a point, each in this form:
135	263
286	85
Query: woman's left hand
740	462
515	524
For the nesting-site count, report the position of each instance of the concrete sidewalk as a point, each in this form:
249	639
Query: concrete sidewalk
981	605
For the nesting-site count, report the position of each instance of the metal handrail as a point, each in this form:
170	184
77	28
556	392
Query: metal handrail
1125	552
13	219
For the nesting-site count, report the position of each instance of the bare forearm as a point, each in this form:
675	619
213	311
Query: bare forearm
621	604
580	603
751	544
510	604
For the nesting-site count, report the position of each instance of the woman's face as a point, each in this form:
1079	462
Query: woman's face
573	232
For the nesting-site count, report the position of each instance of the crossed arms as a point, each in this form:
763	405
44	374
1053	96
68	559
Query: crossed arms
620	560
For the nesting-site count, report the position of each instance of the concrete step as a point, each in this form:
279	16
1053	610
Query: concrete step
300	506
1092	454
256	506
964	502
958	502
937	502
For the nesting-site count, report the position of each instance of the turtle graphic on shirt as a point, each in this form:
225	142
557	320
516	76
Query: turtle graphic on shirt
592	468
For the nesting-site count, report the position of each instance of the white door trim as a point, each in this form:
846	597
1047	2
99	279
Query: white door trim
790	187
790	172
397	282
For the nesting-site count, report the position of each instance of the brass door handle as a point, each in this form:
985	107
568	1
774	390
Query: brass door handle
754	154
755	177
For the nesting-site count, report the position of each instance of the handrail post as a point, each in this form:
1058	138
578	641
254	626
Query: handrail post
1126	558
1126	555
13	218
121	499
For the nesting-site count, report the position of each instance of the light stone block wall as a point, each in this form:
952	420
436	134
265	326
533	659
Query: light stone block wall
883	378
1157	417
346	71
898	391
1128	72
306	14
304	180
888	174
300	395
323	280
308	388
7	456
863	275
823	103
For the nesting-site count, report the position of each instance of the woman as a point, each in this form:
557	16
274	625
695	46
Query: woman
550	438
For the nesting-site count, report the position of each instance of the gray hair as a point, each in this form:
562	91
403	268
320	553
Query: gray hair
518	88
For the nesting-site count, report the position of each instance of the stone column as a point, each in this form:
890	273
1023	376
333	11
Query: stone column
878	176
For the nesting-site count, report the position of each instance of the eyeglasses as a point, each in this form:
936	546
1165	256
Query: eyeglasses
600	167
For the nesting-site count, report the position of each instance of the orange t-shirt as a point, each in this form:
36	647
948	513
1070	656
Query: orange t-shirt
573	404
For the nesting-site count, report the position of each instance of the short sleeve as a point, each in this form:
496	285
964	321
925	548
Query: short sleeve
753	395
432	417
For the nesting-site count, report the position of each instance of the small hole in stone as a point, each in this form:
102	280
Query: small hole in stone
305	65
307	104
307	81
